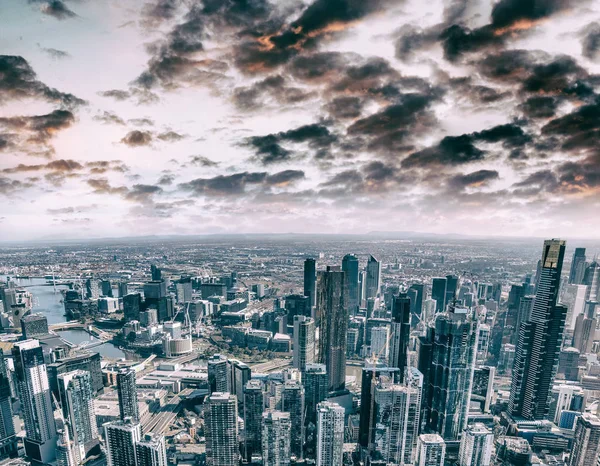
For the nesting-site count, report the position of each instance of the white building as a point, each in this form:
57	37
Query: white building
276	435
380	343
431	450
476	446
330	434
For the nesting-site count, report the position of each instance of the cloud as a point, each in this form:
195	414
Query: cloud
55	53
103	186
137	138
60	165
170	136
57	9
202	161
345	107
473	180
142	193
239	183
18	81
539	107
9	186
116	94
273	89
109	118
590	41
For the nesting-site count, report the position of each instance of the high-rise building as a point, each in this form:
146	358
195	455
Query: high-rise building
8	439
34	326
292	401
362	289
540	339
218	370
315	384
36	401
380	343
310	282
77	403
431	450
350	268
332	318
253	410
304	342
400	333
397	411
127	393
373	284
330	434
586	443
451	361
121	438
89	362
276	433
239	375
64	449
151	451
577	267
451	289
592	280
221	430
438	292
476	446
417	298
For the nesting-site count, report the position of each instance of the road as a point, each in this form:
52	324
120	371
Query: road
270	366
159	423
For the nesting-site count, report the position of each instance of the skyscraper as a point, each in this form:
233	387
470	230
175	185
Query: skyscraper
400	333
577	266
315	384
310	282
292	401
438	292
592	280
586	444
221	430
330	434
36	401
380	343
373	284
34	326
64	449
451	289
476	446
253	409
350	268
218	370
332	317
151	451
276	432
127	393
304	342
416	304
452	363
540	338
121	438
8	439
431	450
77	403
240	374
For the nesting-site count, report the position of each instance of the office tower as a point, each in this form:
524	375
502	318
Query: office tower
332	317
239	375
373	283
352	338
483	343
89	362
451	289
34	326
540	338
155	272
36	401
592	280
253	409
221	430
362	289
397	410
380	347
292	401
297	305
218	370
483	387
121	438
183	290
315	384
276	432
151	451
400	335
449	365
330	434
416	293
310	283
372	374
64	449
438	292
350	268
476	446
132	304
8	439
106	288
577	266
127	392
431	450
585	330
77	403
123	288
304	342
586	443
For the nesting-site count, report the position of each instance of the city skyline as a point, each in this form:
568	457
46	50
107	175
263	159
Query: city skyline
167	117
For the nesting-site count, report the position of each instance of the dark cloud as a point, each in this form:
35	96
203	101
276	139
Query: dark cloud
103	166
103	186
116	94
166	180
156	12
109	118
457	40
345	107
55	53
170	136
9	186
141	122
371	177
57	9
18	81
142	193
511	134
202	161
137	138
539	107
239	183
319	66
473	180
271	89
590	41
465	89
520	13
451	151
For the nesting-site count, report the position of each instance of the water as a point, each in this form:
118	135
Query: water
50	304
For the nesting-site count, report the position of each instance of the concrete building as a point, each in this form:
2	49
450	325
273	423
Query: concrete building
121	438
330	434
276	432
431	450
476	446
221	430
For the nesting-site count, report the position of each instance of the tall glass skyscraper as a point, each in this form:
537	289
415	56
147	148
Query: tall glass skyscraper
400	335
330	434
539	341
221	429
350	267
577	266
310	282
304	342
373	284
127	393
253	409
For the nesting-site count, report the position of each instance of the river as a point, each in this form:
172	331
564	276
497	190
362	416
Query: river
50	303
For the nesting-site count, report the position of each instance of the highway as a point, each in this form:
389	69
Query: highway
159	423
270	366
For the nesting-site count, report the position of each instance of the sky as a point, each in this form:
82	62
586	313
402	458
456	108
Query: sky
183	117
